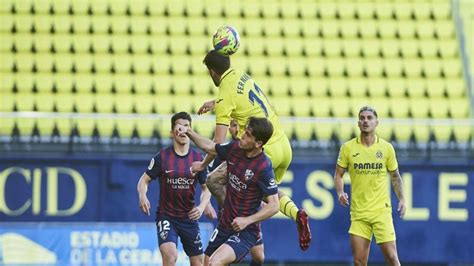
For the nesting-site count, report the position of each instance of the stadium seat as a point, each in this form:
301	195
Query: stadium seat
281	105
348	29
163	104
205	127
123	103
45	126
64	102
345	131
321	106
309	9
381	105
385	131
6	126
442	132
299	87
419	108
459	108
304	133
338	87
143	104
301	107
376	87
421	132
365	10
463	132
435	88
145	127
25	125
448	48
278	86
393	67
439	108
277	66
85	126
291	28
329	28
44	102
125	127
272	45
357	87
403	132
24	102
399	107
346	10
84	103
340	107
318	87
416	88
24	82
455	87
324	130
6	83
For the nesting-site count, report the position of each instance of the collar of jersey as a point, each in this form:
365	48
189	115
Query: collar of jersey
227	72
360	141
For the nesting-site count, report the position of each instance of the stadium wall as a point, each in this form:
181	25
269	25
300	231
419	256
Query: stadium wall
93	191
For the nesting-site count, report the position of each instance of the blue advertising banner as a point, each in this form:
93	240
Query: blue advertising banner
438	226
85	244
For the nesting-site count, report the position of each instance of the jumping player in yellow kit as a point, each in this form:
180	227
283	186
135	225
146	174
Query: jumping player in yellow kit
240	98
368	158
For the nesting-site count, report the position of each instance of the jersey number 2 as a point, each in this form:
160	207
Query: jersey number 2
254	97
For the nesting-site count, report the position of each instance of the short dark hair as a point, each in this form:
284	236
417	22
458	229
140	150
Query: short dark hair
368	108
217	62
180	115
262	128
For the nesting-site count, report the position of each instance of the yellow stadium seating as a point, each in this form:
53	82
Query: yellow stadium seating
311	58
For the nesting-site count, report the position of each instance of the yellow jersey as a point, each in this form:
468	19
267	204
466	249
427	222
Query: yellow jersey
367	168
240	98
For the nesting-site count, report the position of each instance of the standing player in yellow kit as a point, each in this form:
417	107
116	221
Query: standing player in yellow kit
240	98
368	158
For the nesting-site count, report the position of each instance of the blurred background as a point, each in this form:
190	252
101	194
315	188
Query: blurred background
87	89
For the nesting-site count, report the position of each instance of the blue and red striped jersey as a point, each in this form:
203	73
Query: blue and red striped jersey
249	180
177	184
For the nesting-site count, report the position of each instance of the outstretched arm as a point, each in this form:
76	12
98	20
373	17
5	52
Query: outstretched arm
342	197
203	143
397	185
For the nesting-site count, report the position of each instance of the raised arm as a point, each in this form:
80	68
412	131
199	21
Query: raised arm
342	197
142	188
397	185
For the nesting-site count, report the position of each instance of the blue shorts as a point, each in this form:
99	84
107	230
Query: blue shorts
169	228
241	242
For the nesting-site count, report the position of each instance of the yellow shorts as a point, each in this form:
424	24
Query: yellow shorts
379	224
280	154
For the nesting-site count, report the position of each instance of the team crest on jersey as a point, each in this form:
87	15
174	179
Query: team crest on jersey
152	163
248	174
378	155
164	234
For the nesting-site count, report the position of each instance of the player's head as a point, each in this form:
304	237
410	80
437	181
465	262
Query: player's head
217	64
368	119
257	133
184	119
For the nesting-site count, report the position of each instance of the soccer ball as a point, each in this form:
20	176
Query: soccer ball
226	40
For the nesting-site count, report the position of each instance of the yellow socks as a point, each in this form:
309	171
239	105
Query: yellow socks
288	207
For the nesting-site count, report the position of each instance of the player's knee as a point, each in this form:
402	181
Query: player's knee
170	258
392	259
360	260
215	261
257	259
